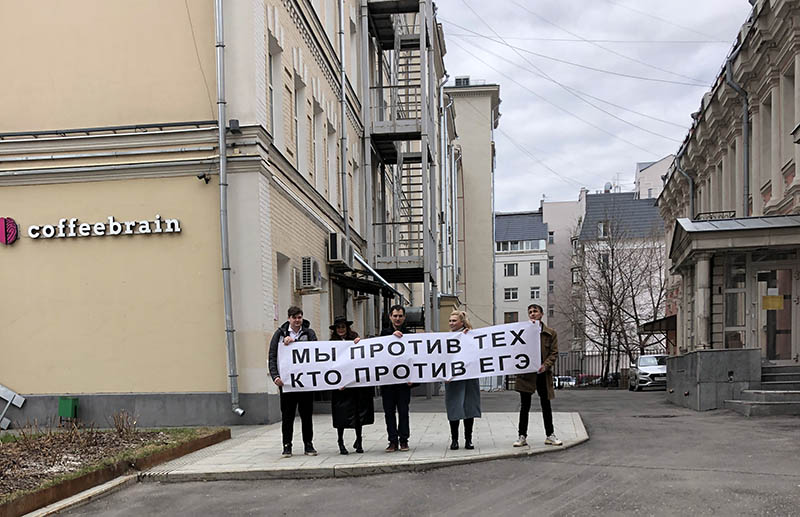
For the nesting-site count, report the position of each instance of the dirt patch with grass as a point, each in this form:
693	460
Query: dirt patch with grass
35	458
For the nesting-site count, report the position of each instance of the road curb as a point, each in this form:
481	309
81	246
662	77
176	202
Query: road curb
341	471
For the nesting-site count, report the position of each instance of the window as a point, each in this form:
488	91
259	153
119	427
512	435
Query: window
535	293
550	311
510	269
575	276
602	230
550	262
649	193
604	259
550	286
535	267
505	246
576	332
574	244
510	317
550	237
511	294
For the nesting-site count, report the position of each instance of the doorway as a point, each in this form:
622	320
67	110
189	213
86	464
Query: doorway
776	298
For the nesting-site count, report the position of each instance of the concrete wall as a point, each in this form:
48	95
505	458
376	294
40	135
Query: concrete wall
704	379
476	239
154	409
562	219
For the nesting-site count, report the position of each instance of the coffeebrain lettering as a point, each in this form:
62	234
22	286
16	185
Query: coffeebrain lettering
9	231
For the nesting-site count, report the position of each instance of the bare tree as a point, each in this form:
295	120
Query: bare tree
618	284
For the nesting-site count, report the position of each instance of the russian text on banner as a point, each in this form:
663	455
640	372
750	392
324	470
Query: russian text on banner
435	356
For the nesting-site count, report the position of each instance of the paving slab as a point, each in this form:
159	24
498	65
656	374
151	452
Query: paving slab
254	452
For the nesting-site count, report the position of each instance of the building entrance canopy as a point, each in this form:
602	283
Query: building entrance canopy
693	237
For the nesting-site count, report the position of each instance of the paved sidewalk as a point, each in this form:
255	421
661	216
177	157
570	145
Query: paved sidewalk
254	452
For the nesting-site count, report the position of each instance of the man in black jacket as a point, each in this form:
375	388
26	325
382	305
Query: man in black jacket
396	397
296	329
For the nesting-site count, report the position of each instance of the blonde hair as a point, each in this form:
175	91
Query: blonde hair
463	317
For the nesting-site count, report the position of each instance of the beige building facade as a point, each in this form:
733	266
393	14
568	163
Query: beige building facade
478	114
730	205
102	122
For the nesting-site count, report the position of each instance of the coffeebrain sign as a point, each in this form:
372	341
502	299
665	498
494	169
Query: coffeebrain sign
68	228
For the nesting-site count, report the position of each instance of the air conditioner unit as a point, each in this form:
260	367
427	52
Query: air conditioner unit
340	251
309	276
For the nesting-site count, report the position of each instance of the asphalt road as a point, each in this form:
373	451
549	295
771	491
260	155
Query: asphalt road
644	457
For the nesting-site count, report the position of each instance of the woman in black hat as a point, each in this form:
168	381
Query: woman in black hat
352	407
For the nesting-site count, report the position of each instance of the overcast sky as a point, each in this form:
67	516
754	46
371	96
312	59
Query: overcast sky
544	150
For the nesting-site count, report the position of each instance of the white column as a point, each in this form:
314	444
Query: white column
755	163
796	181
738	183
725	187
775	173
702	302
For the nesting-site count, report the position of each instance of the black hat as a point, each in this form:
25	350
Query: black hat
338	320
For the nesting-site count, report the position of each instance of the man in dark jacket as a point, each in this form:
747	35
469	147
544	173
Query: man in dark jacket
396	397
296	329
540	382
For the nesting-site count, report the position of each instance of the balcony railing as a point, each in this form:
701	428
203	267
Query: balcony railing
396	103
712	216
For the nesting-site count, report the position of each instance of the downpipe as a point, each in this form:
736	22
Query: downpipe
343	124
745	129
223	211
679	168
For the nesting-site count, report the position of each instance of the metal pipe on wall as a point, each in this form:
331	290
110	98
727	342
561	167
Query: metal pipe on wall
688	178
343	124
223	209
745	129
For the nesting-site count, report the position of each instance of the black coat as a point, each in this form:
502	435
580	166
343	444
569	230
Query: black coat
306	334
352	407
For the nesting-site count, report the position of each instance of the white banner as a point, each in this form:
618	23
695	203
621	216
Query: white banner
435	356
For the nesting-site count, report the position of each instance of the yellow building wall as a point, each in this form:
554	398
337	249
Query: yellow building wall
89	63
140	313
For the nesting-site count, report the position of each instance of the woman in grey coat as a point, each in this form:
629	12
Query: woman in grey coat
462	398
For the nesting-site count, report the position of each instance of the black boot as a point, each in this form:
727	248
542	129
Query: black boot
468	433
342	448
454	435
357	444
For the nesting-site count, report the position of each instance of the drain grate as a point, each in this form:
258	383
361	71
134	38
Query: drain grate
655	416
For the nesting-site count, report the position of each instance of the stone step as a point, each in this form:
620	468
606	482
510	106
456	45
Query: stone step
771	395
756	408
780	369
780	385
786	377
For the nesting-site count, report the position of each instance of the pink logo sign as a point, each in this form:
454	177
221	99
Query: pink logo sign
9	230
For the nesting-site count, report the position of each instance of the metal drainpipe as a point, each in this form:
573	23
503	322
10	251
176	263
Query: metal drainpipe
343	125
745	129
223	211
454	188
443	175
688	178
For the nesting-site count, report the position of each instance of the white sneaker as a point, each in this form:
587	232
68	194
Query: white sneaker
522	442
553	440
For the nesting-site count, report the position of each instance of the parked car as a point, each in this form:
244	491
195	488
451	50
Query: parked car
648	371
563	381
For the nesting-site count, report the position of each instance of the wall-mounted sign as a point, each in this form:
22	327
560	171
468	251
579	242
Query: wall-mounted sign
9	230
68	228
